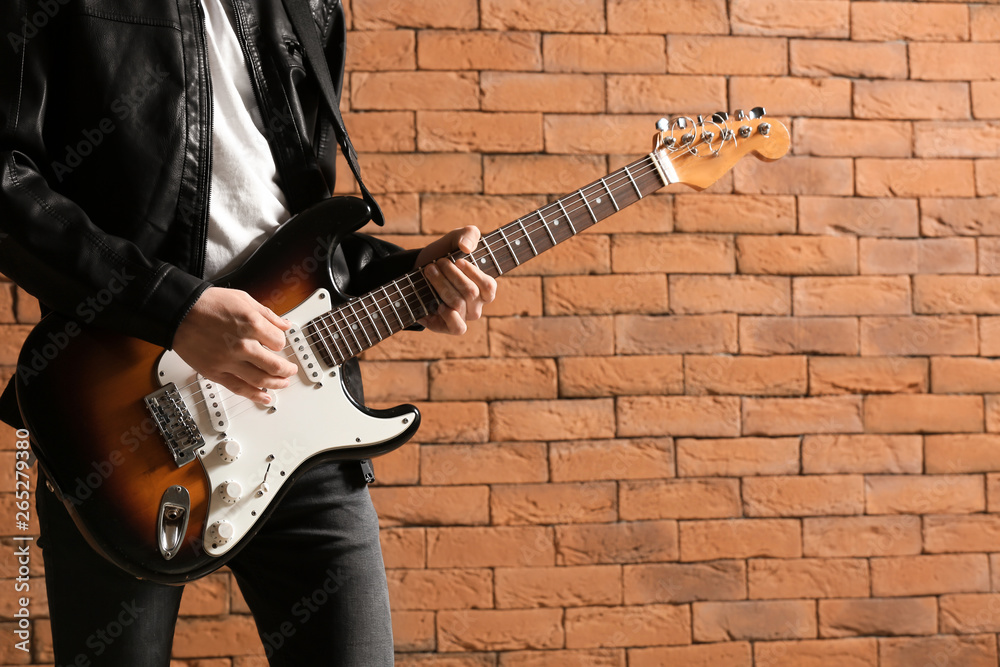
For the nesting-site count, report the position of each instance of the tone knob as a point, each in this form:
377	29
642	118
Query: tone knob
230	450
223	531
231	491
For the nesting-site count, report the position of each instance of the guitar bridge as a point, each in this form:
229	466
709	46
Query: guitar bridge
175	423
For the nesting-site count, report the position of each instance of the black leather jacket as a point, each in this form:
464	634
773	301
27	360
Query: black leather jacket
105	150
105	142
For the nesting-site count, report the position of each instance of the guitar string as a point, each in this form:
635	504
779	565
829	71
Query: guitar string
647	167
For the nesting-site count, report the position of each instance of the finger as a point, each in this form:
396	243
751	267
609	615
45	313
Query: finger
241	387
268	362
255	377
468	238
487	284
274	319
269	334
447	290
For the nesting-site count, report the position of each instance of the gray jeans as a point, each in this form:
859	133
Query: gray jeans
313	578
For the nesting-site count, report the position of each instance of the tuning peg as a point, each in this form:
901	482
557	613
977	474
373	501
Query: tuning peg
757	112
720	117
682	123
663	125
701	121
740	114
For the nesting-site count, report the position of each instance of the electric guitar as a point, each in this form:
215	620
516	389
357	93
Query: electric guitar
168	474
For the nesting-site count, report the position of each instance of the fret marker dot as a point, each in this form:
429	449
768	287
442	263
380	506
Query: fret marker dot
517	243
374	316
354	326
597	201
398	304
482	261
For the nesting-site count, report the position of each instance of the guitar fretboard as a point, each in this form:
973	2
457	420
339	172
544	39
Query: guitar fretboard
350	329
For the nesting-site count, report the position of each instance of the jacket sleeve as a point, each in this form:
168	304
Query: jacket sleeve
48	243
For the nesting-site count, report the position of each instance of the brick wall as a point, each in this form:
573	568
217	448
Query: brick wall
756	425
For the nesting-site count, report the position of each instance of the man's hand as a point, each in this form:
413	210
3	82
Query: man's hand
224	337
462	287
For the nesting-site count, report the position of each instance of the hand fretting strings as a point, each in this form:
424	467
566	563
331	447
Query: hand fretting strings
414	291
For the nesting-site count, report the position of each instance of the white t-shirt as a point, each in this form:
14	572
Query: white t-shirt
246	204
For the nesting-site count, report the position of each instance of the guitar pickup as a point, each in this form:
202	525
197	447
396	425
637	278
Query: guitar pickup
298	339
212	393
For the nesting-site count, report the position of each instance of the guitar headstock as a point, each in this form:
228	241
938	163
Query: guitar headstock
701	150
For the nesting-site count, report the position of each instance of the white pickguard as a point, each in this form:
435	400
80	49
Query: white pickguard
308	418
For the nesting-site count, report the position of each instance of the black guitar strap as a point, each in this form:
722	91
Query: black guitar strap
302	20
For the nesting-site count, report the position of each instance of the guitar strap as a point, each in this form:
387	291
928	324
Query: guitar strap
302	20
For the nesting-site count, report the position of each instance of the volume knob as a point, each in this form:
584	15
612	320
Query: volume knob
231	491
230	450
222	531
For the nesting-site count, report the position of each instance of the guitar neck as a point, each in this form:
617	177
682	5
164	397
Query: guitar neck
353	327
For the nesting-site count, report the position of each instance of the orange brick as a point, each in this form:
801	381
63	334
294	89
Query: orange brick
950	454
923	413
987	172
369	14
382	132
794	416
440	589
551	93
957	294
747	214
949	139
989	328
605	53
911	256
731	654
395	380
985	23
795	175
516	175
956	534
915	335
930	575
970	613
454	422
855	652
909	178
986	99
680	499
620	376
770	620
26	308
815	495
492	630
646	625
882	617
381	50
439	660
414	90
703	54
403	547
466	379
817	18
793	96
862	536
214	637
483	464
422	172
868	375
859	60
595	657
401	466
590	502
911	100
494	546
825	454
653	216
945	217
678	583
989	256
678	415
589	460
597	133
661	94
683	253
771	376
925	494
604	295
964	375
478	50
479	132
579	586
863	217
909	21
586	253
968	651
851	296
694	334
660	17
798	335
770	579
431	505
740	538
852	138
547	15
797	255
737	457
552	420
442	213
953	61
411	345
622	542
413	630
748	295
551	337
